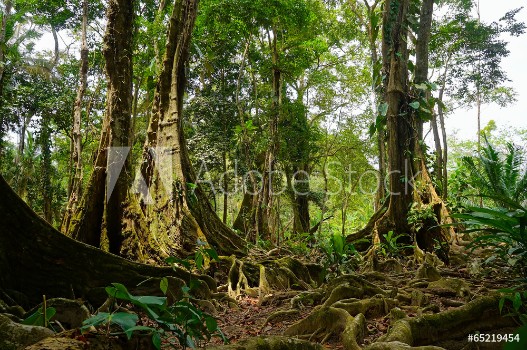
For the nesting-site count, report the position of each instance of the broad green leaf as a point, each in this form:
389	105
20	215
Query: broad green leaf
150	300
124	319
211	323
163	285
501	303
119	291
199	260
415	105
156	340
130	331
213	254
383	109
100	318
37	318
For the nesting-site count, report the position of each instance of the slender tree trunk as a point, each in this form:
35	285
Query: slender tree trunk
246	220
21	140
225	188
439	163
445	144
56	47
301	223
47	193
326	188
377	95
135	109
76	155
478	104
265	206
441	115
343	213
5	18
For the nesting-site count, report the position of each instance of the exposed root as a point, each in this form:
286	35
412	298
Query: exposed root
237	279
481	314
328	322
395	345
279	298
281	315
377	306
260	279
350	286
450	287
270	343
311	298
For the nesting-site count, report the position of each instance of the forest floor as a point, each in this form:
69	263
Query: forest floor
363	308
465	279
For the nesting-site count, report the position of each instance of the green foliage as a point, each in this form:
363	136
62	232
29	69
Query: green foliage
203	255
340	255
500	175
299	243
500	179
40	318
419	215
389	247
500	228
472	52
514	302
184	320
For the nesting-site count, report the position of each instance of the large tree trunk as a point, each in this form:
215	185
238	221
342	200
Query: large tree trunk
118	48
410	183
179	212
102	207
298	190
400	134
37	260
245	219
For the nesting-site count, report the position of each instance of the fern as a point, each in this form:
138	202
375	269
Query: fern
500	176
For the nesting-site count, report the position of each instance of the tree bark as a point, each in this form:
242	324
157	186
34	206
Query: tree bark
118	49
400	134
66	268
410	182
76	155
265	205
225	188
47	193
101	209
441	115
298	188
180	213
439	163
246	214
378	97
7	13
56	47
